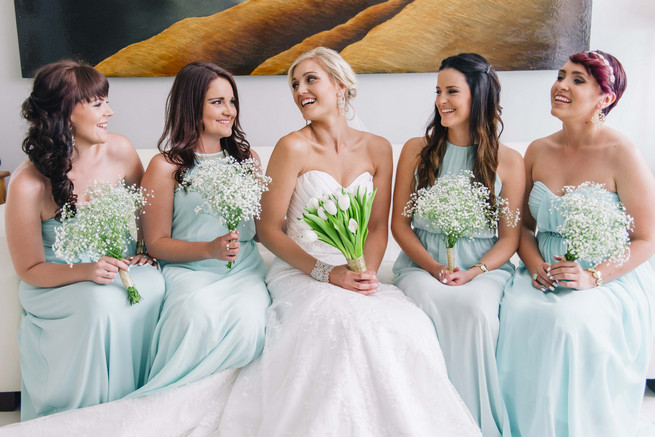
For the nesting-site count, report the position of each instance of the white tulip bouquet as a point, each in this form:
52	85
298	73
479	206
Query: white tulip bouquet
340	219
231	189
457	206
101	227
595	226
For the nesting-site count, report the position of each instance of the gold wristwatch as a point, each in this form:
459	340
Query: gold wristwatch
482	266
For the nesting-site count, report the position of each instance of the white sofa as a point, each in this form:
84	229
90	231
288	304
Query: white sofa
10	309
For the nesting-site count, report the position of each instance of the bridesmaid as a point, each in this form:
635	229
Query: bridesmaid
213	317
80	341
574	345
463	304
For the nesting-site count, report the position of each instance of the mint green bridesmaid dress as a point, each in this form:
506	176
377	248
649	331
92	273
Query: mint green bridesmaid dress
82	344
573	362
213	318
466	316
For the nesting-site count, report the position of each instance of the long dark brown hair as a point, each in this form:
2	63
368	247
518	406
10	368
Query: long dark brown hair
184	125
57	88
483	124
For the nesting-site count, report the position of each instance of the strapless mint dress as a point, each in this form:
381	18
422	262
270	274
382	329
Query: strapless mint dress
573	363
82	344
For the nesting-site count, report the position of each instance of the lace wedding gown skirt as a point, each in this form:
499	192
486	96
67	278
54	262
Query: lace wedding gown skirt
338	363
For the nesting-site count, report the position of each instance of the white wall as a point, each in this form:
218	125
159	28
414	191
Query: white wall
395	106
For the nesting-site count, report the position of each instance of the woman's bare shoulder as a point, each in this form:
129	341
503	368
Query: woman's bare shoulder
29	184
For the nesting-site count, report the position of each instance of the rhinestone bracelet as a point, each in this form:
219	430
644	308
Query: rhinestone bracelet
321	271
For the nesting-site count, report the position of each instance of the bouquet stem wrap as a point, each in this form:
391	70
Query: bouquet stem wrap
357	265
450	253
132	293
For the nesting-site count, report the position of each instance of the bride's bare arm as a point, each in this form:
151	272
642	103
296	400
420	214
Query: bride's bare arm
378	225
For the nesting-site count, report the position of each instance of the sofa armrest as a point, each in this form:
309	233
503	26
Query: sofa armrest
10	311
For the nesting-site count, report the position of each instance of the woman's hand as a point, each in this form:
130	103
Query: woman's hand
363	283
140	259
572	274
104	270
457	276
542	277
226	247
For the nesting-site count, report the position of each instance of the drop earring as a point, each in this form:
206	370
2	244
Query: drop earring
598	119
341	103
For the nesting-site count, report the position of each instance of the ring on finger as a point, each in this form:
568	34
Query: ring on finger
534	276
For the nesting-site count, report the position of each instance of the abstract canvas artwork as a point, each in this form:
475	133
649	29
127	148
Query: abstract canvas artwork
158	37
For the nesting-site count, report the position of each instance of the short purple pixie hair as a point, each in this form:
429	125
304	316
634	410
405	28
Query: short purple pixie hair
607	70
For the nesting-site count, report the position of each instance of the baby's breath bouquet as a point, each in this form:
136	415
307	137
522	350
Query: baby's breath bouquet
340	219
457	206
595	225
231	190
101	227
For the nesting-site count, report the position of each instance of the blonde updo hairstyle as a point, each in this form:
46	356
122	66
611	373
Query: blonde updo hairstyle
339	70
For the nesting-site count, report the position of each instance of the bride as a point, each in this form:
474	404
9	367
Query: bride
344	355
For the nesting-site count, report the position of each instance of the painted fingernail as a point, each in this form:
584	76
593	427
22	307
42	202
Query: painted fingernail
444	281
556	283
551	288
548	269
543	289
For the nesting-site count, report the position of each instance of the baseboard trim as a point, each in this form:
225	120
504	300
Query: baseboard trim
9	401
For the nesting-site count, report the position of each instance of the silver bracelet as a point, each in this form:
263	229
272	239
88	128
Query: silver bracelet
321	271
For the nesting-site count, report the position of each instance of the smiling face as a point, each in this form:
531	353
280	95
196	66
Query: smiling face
89	121
453	99
218	111
314	90
576	94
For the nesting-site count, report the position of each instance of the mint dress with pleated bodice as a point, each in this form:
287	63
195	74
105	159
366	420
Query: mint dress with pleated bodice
213	318
466	316
573	362
82	344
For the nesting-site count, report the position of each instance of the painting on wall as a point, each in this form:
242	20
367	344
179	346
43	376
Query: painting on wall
253	37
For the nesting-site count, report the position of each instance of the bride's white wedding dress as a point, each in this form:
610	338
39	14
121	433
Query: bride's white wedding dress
338	363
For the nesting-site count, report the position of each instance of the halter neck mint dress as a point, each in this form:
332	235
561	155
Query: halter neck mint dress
466	316
574	362
82	344
213	318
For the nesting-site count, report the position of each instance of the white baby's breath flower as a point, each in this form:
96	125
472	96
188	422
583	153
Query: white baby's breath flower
595	225
457	206
231	189
321	213
352	225
330	207
102	226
